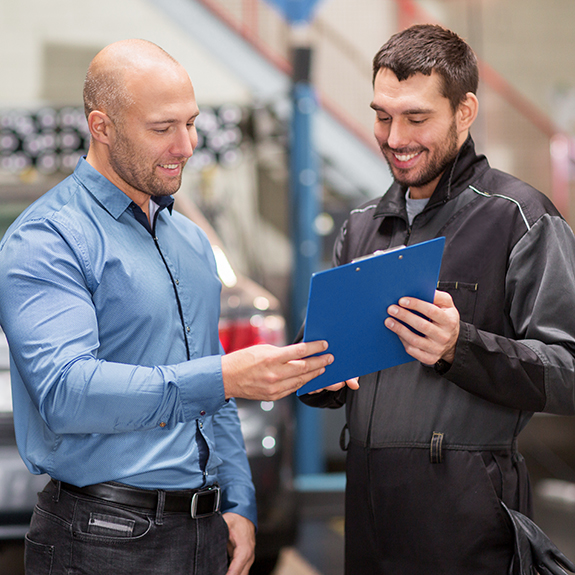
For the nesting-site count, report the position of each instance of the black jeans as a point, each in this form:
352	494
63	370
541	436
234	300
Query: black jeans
79	535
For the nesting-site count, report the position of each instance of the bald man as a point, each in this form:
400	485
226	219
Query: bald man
110	303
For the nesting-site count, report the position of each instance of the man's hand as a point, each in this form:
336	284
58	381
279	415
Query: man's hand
351	383
242	543
269	373
440	327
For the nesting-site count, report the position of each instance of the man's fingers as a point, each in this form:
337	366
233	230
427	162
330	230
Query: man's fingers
241	543
293	384
432	311
270	373
439	327
303	349
352	383
305	370
239	565
304	366
442	299
404	332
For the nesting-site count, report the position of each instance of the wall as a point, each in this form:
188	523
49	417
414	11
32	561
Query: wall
29	29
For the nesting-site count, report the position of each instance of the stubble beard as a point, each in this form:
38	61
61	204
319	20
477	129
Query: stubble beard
137	173
436	164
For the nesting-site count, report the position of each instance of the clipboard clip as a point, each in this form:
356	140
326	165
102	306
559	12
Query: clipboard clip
378	253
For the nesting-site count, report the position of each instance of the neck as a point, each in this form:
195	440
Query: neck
423	192
102	165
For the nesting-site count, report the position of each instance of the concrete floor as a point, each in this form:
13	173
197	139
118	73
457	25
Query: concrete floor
291	562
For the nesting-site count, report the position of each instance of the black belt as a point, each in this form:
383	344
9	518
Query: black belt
197	502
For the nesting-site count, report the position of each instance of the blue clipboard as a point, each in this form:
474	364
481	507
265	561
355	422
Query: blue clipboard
348	304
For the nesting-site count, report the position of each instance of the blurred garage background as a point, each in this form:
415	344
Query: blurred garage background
273	215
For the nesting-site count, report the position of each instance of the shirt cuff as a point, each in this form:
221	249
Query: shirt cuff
201	386
240	499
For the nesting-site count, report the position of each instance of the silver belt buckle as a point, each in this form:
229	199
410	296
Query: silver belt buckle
206	502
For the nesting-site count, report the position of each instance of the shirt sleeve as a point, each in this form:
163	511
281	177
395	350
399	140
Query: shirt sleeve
535	369
49	318
234	476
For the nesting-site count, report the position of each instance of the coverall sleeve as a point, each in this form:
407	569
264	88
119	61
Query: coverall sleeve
535	369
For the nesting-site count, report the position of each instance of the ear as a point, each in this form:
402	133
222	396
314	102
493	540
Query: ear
100	126
467	112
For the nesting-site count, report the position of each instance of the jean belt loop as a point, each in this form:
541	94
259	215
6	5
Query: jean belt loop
56	496
160	508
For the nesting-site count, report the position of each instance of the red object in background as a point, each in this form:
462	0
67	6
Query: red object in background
243	332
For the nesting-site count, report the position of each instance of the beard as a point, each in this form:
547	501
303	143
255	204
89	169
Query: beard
132	166
436	163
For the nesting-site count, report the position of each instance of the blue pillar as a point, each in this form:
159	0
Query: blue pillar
304	189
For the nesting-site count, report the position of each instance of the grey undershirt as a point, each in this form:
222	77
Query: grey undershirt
414	207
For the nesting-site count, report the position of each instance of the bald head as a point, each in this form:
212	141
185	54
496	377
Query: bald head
113	70
141	111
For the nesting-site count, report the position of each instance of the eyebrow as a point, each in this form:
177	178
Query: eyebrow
171	120
411	112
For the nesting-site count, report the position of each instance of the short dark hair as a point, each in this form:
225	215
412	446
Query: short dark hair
424	48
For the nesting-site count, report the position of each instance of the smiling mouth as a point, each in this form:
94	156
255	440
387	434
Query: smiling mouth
405	157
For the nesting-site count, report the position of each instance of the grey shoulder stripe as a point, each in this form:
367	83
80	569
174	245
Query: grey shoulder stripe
505	198
361	210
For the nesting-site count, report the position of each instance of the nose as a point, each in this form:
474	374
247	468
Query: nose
185	142
399	135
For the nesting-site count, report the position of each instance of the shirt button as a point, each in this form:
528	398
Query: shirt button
188	328
202	412
163	424
177	282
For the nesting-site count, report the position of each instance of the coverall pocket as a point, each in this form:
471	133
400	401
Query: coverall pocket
464	297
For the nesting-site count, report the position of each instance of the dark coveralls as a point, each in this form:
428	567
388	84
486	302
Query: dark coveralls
432	453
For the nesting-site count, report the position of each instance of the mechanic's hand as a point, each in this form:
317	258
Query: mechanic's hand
440	327
351	383
269	373
242	543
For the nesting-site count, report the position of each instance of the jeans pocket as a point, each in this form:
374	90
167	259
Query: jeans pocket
108	522
111	539
38	558
110	525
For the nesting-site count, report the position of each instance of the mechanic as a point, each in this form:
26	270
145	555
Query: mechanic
432	447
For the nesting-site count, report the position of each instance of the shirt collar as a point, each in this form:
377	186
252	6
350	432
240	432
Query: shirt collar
114	200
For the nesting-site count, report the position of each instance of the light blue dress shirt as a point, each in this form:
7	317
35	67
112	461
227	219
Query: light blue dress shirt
115	355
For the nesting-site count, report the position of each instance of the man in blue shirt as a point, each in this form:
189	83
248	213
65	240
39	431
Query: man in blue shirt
110	303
